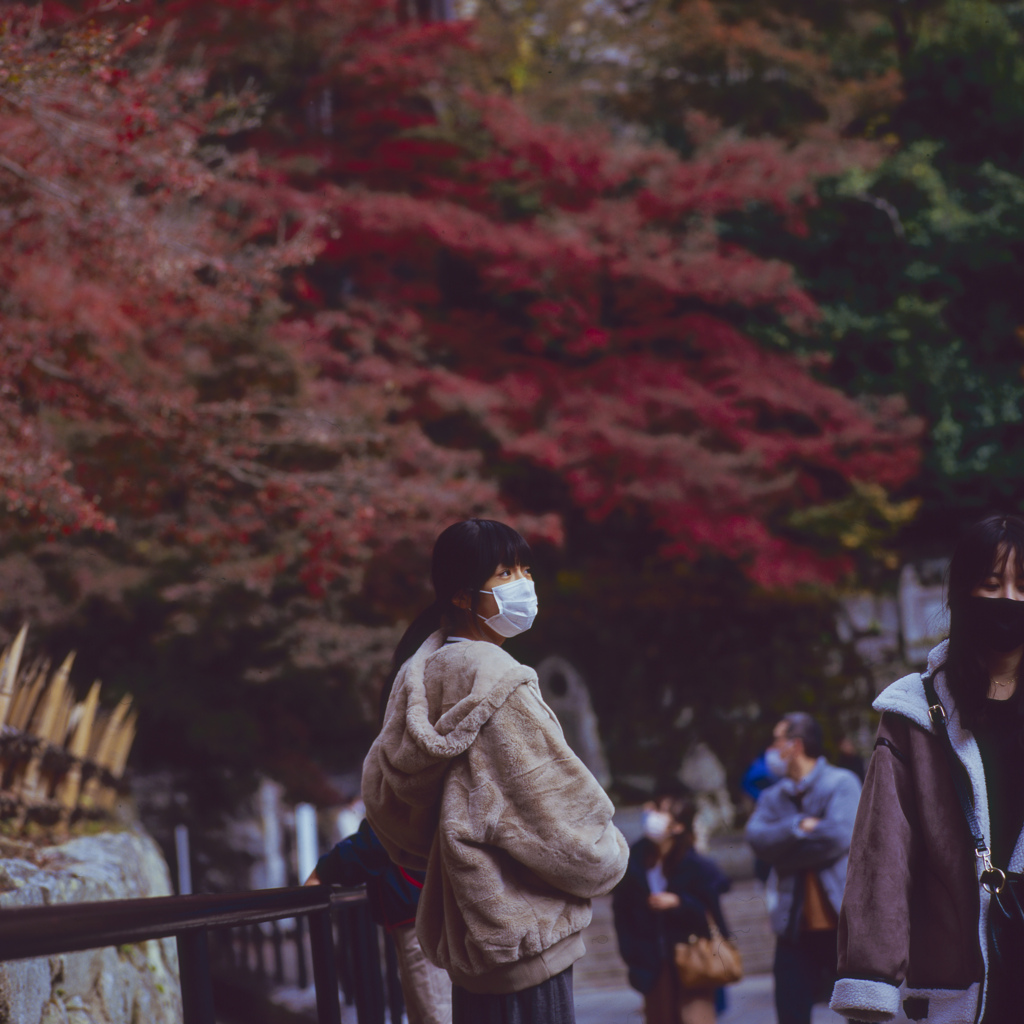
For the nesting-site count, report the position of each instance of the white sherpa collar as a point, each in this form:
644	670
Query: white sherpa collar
906	697
490	674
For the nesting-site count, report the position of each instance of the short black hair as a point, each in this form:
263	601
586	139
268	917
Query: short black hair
465	556
801	726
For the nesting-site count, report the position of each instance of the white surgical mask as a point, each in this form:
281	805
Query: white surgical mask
517	607
656	825
775	763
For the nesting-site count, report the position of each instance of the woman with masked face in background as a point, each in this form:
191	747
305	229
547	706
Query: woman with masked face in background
938	848
471	781
667	895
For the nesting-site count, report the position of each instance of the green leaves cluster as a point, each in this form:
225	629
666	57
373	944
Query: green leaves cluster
923	284
916	263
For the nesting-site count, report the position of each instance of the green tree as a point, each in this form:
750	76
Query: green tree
778	67
918	264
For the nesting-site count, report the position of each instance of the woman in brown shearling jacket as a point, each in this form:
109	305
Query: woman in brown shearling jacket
914	938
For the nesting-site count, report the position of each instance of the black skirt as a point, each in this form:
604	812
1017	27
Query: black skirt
550	1002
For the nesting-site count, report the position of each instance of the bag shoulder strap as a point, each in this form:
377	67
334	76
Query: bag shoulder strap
992	878
717	926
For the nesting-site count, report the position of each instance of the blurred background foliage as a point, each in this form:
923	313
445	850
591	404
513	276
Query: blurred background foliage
720	302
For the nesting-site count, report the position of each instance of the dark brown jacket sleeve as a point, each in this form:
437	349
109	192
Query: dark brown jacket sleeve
911	908
874	922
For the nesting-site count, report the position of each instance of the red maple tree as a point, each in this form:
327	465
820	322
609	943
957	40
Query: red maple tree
583	317
270	321
182	456
558	300
151	373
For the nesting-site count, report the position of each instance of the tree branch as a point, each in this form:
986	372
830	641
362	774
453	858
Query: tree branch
52	371
888	209
40	183
898	20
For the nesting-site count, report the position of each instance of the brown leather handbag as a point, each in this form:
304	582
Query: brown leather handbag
708	962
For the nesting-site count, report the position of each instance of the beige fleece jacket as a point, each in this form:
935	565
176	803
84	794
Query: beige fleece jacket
471	780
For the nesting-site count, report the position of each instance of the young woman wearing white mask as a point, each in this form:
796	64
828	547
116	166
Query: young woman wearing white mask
471	781
668	894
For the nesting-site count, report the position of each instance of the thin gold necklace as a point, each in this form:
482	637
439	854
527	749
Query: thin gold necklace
996	682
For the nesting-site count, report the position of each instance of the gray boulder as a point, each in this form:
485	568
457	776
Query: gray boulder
123	985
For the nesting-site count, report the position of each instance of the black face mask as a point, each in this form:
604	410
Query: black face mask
996	623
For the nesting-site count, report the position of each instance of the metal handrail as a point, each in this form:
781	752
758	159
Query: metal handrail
70	927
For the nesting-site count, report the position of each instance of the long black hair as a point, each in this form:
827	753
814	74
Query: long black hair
464	559
966	668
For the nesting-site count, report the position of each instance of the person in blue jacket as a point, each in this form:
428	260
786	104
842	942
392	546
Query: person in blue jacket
667	895
393	894
802	826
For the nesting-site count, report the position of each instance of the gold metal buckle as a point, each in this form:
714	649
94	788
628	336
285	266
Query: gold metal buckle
993	879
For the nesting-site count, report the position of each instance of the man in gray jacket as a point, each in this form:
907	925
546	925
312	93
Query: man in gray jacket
802	827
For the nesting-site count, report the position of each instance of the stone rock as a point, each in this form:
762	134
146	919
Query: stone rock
704	774
566	693
125	985
872	624
702	771
922	612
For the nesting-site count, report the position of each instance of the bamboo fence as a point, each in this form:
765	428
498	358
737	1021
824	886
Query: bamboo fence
60	758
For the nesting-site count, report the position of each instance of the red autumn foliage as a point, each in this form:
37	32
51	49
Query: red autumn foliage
586	319
200	491
150	382
268	324
561	301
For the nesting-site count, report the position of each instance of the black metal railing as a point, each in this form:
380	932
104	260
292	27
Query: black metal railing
27	932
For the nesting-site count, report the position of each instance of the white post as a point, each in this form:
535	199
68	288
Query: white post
306	843
274	874
182	853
